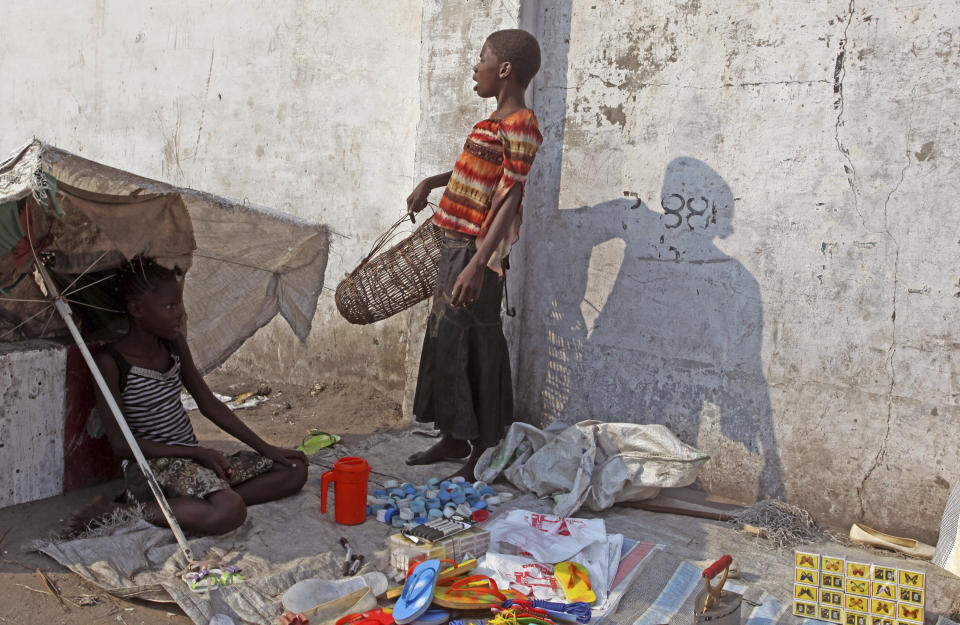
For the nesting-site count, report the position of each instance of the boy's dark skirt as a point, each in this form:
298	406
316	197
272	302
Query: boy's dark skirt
464	384
182	477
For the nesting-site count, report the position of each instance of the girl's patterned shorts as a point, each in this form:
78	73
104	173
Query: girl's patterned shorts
182	477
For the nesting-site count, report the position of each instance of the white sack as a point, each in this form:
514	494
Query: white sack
592	464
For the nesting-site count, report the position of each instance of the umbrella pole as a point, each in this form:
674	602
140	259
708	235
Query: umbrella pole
64	309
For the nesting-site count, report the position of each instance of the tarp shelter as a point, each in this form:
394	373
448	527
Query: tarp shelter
246	263
68	223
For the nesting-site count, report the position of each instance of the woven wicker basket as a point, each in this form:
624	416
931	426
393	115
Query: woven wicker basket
395	280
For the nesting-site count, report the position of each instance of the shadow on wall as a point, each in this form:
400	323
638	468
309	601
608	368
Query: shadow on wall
650	322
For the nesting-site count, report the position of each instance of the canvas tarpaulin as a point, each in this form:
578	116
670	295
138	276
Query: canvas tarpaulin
246	263
279	544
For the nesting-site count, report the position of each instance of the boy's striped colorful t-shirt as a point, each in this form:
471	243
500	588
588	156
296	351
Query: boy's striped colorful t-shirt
497	155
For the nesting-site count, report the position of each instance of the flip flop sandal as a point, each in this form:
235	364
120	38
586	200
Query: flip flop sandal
474	592
315	440
378	616
432	617
574	582
358	601
417	592
446	577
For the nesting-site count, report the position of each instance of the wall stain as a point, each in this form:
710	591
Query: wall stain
649	50
690	7
614	115
925	152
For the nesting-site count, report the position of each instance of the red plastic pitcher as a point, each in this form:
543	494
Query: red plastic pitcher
350	490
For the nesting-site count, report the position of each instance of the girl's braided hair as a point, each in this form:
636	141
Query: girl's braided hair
142	274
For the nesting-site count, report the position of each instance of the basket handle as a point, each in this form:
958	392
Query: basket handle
384	238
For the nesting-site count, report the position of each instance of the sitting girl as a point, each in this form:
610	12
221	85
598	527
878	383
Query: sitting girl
146	371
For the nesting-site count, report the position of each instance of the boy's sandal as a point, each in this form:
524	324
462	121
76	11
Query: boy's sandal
474	592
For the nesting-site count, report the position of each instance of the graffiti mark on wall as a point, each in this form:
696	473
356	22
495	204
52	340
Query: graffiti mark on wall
674	205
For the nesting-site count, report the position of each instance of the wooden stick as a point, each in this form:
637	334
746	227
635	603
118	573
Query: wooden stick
701	514
52	588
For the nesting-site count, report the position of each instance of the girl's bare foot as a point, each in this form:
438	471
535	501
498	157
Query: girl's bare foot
90	515
447	448
467	470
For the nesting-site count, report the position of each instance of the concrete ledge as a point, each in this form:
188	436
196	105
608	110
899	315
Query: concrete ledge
48	443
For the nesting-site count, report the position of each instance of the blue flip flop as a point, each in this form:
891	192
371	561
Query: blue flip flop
417	592
432	617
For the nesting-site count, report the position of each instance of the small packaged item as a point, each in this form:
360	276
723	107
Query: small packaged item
439	528
473	542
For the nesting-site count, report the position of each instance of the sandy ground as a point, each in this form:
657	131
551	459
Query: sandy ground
352	411
372	427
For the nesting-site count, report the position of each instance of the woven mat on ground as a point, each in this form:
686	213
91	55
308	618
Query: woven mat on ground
281	543
663	590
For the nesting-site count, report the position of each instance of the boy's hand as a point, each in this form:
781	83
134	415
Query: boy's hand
288	457
467	287
417	200
213	460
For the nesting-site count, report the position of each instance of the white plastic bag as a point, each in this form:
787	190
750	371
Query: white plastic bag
508	570
541	539
545	537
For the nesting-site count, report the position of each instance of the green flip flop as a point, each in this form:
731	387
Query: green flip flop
315	440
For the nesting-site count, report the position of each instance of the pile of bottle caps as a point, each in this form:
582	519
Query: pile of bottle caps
406	506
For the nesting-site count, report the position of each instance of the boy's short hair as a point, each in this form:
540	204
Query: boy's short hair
521	49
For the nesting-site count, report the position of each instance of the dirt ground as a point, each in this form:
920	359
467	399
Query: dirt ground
36	589
30	583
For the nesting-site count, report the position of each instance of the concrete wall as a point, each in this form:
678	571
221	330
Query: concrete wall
310	108
32	384
749	236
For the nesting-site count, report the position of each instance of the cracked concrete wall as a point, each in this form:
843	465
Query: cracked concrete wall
742	227
309	108
31	423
